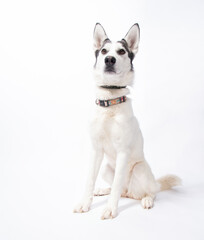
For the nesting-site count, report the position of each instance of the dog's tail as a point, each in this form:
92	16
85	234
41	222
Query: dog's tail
168	181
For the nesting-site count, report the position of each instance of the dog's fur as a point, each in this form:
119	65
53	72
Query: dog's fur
115	131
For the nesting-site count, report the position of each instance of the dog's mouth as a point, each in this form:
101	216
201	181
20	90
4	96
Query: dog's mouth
109	70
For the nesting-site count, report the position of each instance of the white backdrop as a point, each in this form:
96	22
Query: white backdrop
47	96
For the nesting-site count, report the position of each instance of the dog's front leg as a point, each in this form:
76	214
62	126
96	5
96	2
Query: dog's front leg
96	160
120	173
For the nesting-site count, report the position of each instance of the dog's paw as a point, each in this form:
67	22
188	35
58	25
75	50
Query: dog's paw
147	202
82	207
109	213
102	191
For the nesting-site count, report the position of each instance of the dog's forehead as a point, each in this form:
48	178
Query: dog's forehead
114	45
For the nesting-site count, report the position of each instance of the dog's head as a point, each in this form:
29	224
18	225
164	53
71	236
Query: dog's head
114	59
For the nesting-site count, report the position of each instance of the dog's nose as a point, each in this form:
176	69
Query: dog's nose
110	61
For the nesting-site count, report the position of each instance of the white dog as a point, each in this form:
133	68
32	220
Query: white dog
115	132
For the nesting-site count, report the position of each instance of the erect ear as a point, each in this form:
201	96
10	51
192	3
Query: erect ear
99	36
132	38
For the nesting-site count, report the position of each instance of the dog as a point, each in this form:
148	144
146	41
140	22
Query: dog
115	132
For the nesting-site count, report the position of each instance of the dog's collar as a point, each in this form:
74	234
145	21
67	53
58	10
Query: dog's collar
113	87
110	102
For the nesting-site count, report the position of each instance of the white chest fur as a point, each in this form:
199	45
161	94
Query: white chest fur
115	129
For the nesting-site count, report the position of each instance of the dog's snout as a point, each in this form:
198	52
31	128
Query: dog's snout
110	61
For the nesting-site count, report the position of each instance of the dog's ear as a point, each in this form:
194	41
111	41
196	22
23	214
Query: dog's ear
132	38
99	36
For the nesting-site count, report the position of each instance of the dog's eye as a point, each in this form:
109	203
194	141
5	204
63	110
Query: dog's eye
121	52
104	51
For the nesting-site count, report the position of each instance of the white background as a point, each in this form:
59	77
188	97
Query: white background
46	99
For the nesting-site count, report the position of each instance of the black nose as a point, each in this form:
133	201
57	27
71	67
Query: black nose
110	61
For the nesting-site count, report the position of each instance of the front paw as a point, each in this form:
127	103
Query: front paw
109	213
82	207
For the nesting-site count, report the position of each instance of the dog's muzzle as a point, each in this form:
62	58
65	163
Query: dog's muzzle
109	64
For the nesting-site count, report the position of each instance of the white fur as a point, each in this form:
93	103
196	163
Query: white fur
123	75
115	132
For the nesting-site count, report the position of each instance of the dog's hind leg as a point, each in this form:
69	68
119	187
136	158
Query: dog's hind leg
148	201
107	175
142	185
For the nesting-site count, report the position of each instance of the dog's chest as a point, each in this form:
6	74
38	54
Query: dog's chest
103	126
107	130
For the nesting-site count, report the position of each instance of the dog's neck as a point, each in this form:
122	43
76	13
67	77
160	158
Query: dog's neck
110	93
